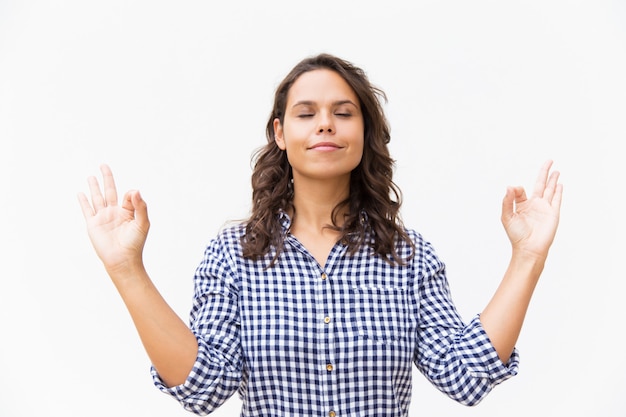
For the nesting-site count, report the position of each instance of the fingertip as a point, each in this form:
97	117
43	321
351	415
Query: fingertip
137	198
508	195
85	207
546	166
554	177
105	168
136	195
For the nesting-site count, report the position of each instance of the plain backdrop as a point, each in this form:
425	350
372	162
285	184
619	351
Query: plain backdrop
174	97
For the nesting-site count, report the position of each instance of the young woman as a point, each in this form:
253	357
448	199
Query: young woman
320	302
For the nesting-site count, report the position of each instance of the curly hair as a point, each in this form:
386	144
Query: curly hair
373	194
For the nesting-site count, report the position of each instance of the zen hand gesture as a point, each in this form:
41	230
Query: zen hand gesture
531	223
117	232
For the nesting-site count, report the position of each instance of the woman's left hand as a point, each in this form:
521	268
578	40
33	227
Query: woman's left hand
531	223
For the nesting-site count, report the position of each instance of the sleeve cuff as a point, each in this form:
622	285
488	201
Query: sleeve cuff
481	358
202	378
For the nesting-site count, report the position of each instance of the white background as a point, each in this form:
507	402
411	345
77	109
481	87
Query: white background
175	95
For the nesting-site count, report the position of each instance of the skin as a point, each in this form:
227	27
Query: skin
530	224
323	134
118	233
316	113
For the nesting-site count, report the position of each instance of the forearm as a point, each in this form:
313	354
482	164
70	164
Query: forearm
504	315
169	342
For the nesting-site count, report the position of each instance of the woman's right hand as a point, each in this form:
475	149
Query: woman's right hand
117	232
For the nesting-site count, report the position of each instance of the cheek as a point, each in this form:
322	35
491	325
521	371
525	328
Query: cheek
292	135
361	146
357	154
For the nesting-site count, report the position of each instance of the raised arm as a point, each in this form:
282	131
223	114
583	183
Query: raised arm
530	224
118	233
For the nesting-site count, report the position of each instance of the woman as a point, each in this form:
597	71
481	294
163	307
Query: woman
321	301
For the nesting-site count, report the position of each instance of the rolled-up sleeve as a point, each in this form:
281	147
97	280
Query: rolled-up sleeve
214	320
457	358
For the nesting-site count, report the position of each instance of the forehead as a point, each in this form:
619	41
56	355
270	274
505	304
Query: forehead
321	85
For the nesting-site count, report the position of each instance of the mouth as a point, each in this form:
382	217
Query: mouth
325	146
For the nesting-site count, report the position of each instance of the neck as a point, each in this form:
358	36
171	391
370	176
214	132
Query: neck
314	201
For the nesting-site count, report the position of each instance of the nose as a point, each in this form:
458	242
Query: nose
325	124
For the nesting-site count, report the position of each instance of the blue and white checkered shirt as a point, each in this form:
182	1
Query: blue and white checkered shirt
299	339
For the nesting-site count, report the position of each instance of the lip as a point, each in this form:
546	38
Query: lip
325	146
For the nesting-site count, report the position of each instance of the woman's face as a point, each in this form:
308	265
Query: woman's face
323	128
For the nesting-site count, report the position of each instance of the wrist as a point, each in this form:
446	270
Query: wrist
528	261
131	270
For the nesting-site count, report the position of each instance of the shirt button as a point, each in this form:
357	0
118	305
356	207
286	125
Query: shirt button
326	320
332	414
324	276
329	367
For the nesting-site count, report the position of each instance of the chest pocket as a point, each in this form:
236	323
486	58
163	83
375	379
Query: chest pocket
380	313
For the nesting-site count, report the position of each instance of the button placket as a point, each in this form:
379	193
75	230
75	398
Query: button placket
327	331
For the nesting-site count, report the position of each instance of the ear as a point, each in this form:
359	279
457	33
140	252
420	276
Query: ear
278	134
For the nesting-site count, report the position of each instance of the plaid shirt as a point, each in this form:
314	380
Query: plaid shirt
299	339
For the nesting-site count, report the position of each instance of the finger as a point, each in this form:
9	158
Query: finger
548	194
85	206
513	197
520	195
558	197
96	196
540	184
110	192
133	202
141	211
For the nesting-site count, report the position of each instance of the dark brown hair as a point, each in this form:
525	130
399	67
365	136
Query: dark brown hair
374	201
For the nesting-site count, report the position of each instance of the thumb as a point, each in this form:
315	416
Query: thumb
508	205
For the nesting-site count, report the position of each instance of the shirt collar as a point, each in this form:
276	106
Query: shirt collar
285	220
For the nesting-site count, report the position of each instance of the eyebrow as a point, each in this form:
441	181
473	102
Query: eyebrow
335	103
